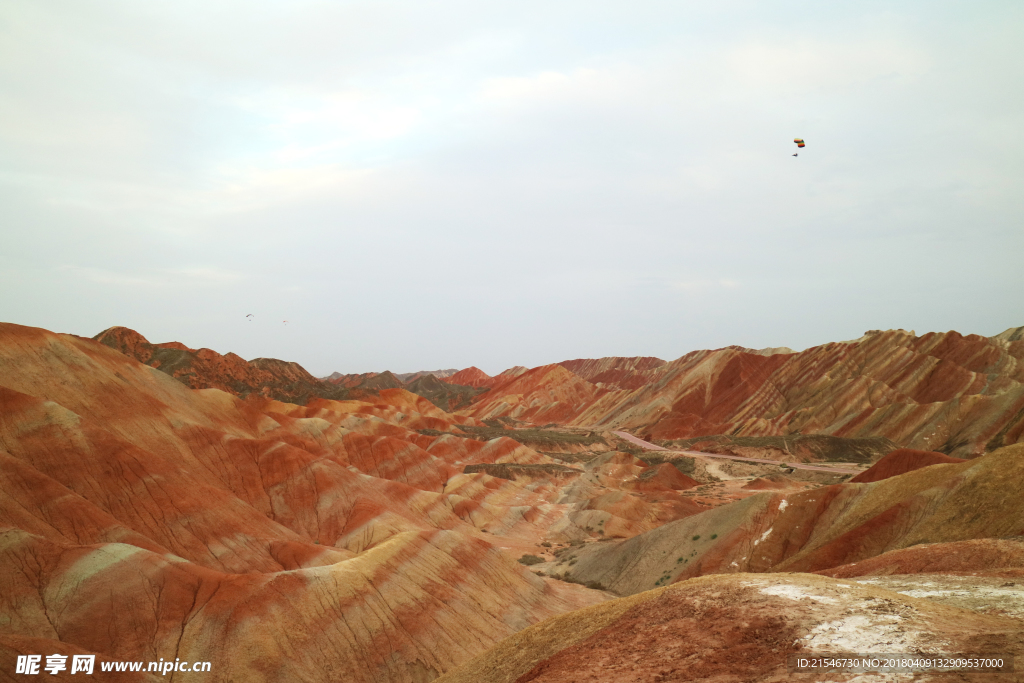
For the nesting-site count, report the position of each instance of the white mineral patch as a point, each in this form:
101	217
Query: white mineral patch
792	592
862	633
763	536
984	594
782	505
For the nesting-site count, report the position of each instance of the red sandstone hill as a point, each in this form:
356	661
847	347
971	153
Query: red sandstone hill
962	395
901	461
546	394
470	377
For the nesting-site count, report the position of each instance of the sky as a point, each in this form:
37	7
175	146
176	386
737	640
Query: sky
417	185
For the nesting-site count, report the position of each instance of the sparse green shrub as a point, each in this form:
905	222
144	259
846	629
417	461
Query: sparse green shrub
530	559
714	536
596	585
697	537
545	544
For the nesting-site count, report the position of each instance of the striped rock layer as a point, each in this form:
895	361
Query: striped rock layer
961	395
337	540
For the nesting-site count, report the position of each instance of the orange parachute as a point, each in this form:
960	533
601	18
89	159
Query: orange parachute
799	142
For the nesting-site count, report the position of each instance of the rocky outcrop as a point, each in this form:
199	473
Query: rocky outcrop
542	395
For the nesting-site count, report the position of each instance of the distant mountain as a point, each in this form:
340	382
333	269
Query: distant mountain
447	397
959	394
410	376
471	377
207	369
405	377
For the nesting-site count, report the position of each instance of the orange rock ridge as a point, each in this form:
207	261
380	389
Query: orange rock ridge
962	395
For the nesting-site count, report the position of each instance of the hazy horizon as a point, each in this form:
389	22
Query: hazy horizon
450	184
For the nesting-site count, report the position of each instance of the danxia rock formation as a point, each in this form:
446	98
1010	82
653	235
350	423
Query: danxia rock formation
271	532
960	395
614	519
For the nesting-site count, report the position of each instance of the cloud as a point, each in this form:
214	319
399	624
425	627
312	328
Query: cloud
161	278
398	159
806	65
248	189
704	284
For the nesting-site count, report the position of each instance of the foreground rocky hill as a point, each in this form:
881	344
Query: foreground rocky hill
739	628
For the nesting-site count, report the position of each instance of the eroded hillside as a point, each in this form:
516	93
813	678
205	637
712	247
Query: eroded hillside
402	533
961	395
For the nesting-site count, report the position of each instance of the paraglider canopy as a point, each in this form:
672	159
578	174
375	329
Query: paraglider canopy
799	142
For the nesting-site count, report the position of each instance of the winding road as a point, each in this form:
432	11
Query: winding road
795	465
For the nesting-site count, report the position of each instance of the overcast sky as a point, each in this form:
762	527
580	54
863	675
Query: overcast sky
417	185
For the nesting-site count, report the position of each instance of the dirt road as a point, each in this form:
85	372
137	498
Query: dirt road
701	454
